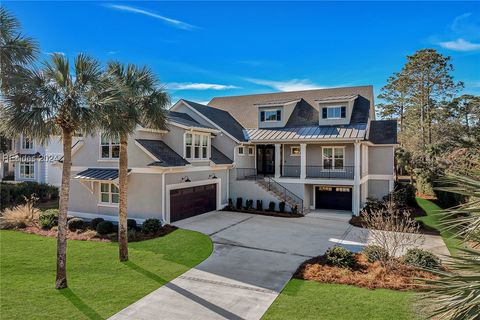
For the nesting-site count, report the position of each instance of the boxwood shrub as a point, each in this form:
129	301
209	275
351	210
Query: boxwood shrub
94	223
340	257
375	253
12	194
131	224
421	259
105	227
76	224
151	225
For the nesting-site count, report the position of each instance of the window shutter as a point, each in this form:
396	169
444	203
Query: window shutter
344	112
279	115
262	115
324	113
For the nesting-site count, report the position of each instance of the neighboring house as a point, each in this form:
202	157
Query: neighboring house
30	160
315	149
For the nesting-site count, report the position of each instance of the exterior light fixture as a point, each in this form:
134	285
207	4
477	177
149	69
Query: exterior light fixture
212	176
186	179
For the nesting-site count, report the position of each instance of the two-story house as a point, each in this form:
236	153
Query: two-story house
315	149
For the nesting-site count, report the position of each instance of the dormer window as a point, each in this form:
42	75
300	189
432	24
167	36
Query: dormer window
273	115
27	143
334	112
196	146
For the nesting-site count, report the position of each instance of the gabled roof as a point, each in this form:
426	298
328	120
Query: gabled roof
383	132
221	118
244	108
185	119
218	157
98	174
163	154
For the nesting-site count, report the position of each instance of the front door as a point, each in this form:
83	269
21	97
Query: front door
266	159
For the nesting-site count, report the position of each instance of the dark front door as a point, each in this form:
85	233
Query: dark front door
266	160
337	198
189	202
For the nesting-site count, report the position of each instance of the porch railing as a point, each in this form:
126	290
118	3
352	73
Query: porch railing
322	172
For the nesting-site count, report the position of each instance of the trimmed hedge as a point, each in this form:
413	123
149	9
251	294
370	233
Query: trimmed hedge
105	227
94	223
131	224
12	194
151	225
76	224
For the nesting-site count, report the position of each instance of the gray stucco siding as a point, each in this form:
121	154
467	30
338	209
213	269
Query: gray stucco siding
380	160
314	153
377	188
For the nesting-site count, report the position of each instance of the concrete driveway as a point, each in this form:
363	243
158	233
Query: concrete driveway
254	257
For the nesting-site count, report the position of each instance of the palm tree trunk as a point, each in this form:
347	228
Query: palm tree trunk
61	279
122	208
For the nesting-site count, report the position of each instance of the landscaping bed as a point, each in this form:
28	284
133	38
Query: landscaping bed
266	213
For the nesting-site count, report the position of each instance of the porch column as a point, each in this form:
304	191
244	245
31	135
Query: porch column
303	160
278	159
356	180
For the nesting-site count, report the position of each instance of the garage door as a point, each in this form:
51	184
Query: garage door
338	198
189	202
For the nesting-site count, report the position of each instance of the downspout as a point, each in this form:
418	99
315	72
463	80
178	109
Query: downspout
164	214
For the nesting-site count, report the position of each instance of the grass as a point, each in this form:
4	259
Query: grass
302	299
433	220
99	285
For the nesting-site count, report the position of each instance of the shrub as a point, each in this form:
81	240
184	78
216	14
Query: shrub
271	206
373	204
94	223
260	205
131	224
13	194
76	224
105	227
230	204
281	206
132	235
239	203
340	257
151	225
21	216
249	204
421	259
404	195
294	210
375	253
49	218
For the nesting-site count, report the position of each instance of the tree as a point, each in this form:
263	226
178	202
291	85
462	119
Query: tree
53	100
466	109
141	102
394	93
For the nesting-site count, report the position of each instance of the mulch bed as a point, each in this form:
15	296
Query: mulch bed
91	235
364	274
267	213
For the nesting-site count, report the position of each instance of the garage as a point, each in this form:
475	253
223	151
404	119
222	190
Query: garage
337	198
193	201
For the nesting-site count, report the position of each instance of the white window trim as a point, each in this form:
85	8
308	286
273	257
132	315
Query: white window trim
23	164
272	110
295	155
243	152
253	151
109	159
22	143
192	153
109	203
335	107
333	158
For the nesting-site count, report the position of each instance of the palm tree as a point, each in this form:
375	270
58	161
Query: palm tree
142	102
456	293
16	50
53	100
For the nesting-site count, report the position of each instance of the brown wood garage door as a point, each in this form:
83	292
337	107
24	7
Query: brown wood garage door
189	202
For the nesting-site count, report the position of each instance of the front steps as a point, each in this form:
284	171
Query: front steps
281	195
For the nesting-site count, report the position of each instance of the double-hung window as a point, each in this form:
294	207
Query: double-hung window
108	193
333	157
109	148
196	146
27	169
27	143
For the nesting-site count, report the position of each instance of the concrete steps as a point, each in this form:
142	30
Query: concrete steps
279	194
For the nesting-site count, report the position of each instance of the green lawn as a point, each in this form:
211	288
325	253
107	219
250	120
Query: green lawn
432	220
99	285
303	299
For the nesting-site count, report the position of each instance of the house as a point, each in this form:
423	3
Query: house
30	160
314	149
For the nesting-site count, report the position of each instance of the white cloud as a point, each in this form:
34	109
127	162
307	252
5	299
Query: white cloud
289	85
176	23
460	44
198	86
112	52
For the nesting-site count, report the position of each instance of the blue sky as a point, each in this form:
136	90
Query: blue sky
201	50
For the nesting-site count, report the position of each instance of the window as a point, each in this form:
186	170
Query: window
338	189
241	151
27	143
270	115
251	151
109	148
295	151
333	157
324	188
334	112
196	146
108	193
27	170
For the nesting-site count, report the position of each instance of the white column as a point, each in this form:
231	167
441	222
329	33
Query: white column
278	159
356	181
303	160
391	185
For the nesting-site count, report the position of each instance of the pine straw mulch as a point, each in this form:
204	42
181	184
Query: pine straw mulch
364	274
92	235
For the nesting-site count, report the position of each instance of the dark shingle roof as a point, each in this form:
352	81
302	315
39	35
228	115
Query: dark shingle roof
221	118
219	158
383	132
98	174
166	156
185	119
